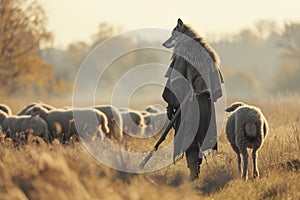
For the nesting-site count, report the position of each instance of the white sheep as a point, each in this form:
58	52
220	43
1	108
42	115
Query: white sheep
12	124
115	121
133	122
246	127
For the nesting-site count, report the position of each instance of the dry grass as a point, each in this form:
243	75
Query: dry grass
38	171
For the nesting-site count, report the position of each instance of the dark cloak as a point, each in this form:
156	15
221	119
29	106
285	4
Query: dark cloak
193	71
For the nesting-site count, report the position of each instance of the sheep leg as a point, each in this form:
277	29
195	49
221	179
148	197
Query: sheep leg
254	159
239	161
245	163
46	137
238	154
52	130
240	142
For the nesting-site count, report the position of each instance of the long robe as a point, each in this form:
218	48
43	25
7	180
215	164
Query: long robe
193	71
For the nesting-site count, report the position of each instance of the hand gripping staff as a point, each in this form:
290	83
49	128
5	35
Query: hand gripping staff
165	133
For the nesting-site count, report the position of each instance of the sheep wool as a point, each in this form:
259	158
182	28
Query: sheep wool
246	127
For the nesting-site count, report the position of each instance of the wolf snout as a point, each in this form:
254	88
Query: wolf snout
169	43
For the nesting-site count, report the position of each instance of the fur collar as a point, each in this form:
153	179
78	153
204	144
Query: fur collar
197	52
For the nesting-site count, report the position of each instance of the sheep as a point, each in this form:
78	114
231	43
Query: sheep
158	116
115	121
147	117
154	121
133	122
26	110
12	125
160	121
54	122
64	120
152	109
88	120
5	109
156	108
148	123
246	127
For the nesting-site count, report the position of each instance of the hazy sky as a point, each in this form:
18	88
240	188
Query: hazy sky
73	20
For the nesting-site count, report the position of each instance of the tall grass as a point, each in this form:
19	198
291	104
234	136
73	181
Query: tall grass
39	171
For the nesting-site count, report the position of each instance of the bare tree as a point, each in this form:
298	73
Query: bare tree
291	41
287	75
266	27
104	32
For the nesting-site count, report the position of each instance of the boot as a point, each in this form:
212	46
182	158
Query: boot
194	172
193	162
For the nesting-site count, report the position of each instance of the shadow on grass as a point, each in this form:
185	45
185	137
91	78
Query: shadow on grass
271	193
215	181
124	176
177	180
174	179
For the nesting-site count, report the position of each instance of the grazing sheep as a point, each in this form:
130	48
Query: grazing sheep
11	125
147	117
28	108
5	109
133	122
149	126
88	121
64	119
246	128
156	108
160	120
152	109
155	122
115	121
57	124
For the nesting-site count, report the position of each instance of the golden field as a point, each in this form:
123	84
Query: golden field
39	171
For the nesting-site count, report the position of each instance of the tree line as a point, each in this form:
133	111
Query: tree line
266	59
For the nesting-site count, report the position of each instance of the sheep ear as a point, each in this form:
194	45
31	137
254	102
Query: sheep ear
229	109
234	106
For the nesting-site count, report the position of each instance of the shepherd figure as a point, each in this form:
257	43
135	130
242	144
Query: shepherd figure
193	72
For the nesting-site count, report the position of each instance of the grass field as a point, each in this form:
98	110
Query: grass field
38	171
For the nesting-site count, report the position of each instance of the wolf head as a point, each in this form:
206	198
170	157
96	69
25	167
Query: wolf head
177	32
186	35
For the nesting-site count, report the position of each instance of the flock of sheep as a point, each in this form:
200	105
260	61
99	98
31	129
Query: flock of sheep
246	125
49	123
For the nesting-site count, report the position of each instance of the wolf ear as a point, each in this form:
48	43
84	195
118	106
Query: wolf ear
179	23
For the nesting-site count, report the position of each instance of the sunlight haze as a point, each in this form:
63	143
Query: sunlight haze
78	20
